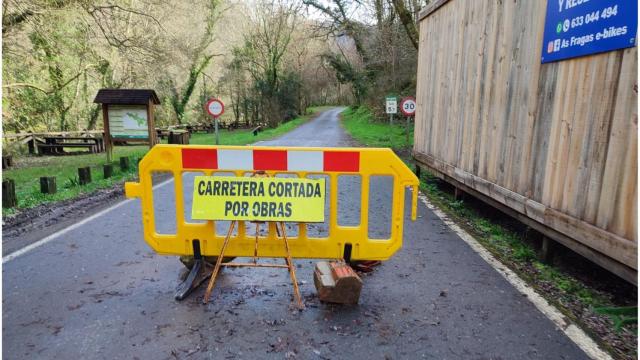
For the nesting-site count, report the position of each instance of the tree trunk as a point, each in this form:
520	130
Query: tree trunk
93	118
180	100
407	21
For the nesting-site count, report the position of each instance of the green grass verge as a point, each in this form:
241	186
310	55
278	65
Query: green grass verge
29	169
358	122
508	246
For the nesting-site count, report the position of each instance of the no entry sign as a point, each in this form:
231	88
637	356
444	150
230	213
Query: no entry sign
408	106
215	107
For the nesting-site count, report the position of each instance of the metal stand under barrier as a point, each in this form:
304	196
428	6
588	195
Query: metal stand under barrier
281	232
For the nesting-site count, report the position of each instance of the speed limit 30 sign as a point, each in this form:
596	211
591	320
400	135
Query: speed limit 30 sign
408	106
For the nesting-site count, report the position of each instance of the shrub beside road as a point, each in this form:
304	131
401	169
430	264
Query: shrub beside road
580	290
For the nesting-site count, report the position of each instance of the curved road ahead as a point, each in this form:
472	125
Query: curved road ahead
98	292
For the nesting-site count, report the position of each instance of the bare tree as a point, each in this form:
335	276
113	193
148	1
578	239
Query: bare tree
408	20
264	49
200	57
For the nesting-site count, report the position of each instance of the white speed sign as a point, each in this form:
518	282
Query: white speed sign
391	105
408	106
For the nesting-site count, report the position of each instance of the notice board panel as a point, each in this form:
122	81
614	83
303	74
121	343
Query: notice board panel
128	121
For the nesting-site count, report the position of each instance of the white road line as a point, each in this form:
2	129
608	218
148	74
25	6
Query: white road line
572	331
57	234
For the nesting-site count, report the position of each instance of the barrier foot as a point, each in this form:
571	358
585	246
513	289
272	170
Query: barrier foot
198	274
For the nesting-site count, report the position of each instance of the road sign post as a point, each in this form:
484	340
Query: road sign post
215	121
215	108
408	108
391	107
408	119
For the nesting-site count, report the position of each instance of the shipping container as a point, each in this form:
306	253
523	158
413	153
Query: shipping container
553	144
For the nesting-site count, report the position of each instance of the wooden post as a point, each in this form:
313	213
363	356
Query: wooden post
178	137
107	132
150	124
48	185
7	161
32	145
9	198
107	170
84	175
458	194
124	163
548	250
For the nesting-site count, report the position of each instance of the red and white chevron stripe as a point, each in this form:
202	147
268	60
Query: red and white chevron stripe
264	159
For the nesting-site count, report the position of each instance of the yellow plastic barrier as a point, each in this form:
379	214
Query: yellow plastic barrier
302	162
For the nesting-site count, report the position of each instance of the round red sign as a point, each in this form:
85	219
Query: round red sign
408	106
215	107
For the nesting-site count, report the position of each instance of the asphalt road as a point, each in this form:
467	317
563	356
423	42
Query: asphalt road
98	292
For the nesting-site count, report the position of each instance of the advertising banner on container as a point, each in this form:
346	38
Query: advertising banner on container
582	27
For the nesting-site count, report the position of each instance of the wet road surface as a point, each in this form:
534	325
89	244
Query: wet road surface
98	292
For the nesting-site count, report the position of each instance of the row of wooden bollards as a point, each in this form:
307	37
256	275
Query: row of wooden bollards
48	183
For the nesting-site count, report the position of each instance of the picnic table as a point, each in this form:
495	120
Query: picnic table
206	128
54	145
162	133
